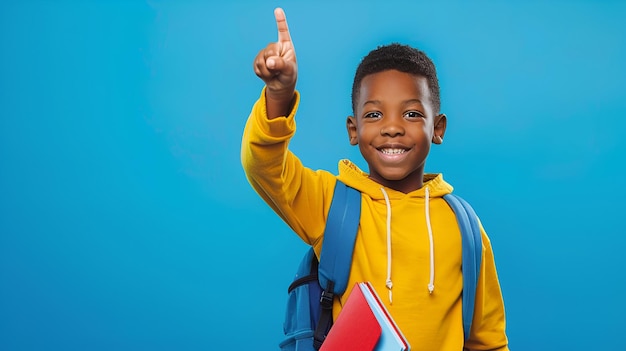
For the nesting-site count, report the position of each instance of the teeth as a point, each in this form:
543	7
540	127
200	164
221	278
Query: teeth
392	151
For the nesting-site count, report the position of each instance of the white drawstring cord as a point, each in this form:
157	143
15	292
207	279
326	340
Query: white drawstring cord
431	284
388	283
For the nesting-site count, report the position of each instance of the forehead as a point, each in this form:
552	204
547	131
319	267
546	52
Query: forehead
393	85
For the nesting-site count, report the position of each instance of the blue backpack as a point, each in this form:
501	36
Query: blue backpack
309	314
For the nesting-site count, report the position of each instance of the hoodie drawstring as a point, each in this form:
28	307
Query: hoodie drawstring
431	283
388	282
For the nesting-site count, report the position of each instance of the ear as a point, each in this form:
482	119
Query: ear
440	128
352	134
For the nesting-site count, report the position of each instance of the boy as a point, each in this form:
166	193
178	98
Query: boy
407	229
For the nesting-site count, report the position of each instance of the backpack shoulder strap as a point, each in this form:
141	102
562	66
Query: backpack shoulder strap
336	256
341	228
472	255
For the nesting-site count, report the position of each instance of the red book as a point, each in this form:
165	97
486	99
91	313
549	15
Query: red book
391	338
356	327
364	324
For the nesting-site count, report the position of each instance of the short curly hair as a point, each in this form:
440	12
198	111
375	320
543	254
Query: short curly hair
400	57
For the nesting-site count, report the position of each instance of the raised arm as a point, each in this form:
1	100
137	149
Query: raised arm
299	195
276	66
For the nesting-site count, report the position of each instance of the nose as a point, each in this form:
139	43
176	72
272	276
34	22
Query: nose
392	127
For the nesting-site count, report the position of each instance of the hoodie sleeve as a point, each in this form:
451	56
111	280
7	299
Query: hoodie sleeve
299	195
488	325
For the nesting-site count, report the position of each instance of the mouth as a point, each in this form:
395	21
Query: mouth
393	153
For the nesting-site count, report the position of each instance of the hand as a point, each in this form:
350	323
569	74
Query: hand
276	65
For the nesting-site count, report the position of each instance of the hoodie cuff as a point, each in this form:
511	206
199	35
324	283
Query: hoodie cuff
279	127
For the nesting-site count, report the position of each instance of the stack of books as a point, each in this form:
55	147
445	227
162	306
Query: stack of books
364	324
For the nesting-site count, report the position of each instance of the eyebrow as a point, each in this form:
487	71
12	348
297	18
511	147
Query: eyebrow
404	103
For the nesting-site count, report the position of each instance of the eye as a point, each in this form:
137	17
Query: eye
413	114
373	115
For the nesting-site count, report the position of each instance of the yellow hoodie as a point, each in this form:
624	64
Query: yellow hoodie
408	245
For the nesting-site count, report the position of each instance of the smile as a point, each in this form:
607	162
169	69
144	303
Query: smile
389	151
393	154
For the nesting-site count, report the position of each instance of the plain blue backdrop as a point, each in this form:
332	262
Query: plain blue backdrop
126	222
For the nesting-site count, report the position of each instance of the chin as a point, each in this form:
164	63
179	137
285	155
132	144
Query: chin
392	177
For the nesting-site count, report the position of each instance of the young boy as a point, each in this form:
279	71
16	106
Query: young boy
408	243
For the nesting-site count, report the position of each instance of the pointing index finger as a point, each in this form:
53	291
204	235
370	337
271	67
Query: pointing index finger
281	23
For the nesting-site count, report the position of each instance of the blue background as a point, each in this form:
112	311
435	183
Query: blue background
126	222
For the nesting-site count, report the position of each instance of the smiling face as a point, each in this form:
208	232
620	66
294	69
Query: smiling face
394	125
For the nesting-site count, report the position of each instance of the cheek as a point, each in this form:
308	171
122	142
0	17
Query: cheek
367	132
427	131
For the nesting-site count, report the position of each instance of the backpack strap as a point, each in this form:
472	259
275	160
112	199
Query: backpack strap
341	228
471	239
336	255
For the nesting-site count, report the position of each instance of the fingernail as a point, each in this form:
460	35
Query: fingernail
270	63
